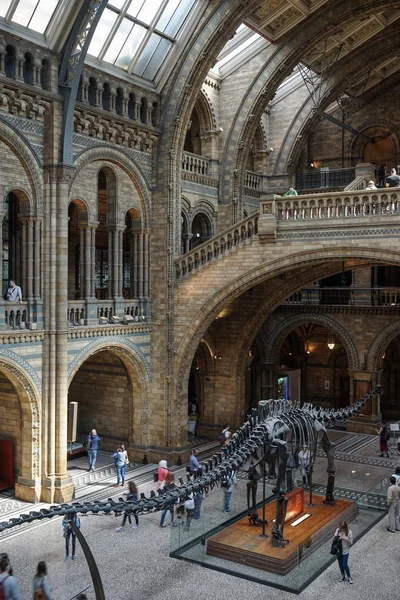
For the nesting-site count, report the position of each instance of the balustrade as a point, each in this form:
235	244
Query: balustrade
345	296
252	180
192	163
338	205
15	315
220	245
106	309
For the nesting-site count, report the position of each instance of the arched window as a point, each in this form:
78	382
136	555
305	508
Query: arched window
77	214
184	234
92	91
28	68
45	76
192	140
12	244
9	63
132	107
106	97
201	230
155	117
143	110
119	101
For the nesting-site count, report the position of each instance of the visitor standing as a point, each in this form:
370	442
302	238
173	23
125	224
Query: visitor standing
304	464
225	435
8	584
190	507
382	175
393	180
169	486
346	537
70	533
291	191
121	460
92	441
396	474
13	293
41	588
194	465
393	502
131	496
371	185
384	436
162	473
227	483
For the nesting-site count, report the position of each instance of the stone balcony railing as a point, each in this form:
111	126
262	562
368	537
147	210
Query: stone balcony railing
93	312
337	205
345	296
217	247
192	163
24	315
252	181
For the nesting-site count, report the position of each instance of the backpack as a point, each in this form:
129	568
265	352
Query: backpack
222	438
337	546
2	590
386	434
226	481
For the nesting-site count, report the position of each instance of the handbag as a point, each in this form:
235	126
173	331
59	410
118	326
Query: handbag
39	593
337	546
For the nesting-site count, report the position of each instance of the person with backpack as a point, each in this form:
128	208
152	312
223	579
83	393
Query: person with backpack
227	483
393	504
384	435
225	435
8	584
41	588
69	532
345	536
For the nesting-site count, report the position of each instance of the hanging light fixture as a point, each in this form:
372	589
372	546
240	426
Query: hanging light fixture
331	343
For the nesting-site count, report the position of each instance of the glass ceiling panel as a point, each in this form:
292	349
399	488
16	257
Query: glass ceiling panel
142	33
4	6
35	14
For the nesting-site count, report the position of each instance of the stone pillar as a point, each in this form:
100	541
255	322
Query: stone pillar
362	279
29	292
146	278
110	262
37	259
24	259
2	320
93	263
82	262
121	262
140	263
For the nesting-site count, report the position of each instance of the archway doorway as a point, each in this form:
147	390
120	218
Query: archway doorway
390	380
103	389
11	427
381	151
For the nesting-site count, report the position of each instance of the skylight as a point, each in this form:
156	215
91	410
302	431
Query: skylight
137	35
240	47
34	14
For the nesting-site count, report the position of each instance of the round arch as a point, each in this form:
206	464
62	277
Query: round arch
119	158
380	343
277	336
30	451
138	373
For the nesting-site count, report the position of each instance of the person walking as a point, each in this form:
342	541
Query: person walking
8	583
393	503
169	486
131	496
190	508
396	474
120	459
384	436
70	533
92	441
227	485
41	588
198	501
346	537
225	435
162	473
304	458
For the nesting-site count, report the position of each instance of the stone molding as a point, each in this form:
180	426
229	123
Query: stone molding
380	343
23	337
105	331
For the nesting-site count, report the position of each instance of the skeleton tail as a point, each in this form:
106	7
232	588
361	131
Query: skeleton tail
331	417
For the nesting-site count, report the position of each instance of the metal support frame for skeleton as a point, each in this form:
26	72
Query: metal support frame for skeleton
277	531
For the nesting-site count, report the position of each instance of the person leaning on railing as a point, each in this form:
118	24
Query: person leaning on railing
291	192
13	293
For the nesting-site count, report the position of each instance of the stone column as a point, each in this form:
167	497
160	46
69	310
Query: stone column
110	262
82	262
134	262
120	279
24	258
88	260
140	263
146	278
37	259
93	263
2	321
30	261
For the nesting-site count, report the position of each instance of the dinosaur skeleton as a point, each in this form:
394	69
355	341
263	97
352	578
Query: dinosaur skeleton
267	428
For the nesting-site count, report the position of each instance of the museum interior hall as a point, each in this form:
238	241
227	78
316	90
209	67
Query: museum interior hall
200	250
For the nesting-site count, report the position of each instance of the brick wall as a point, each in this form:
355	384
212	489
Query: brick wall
102	389
10	418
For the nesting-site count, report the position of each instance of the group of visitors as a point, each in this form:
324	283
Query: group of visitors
393	180
9	586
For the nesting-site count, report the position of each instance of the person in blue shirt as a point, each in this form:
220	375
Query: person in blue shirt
92	441
194	464
7	581
69	533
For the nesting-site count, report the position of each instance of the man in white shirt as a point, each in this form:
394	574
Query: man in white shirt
304	464
13	293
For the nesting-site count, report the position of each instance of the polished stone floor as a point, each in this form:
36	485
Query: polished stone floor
134	564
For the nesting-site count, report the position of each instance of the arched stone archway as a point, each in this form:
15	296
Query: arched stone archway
280	332
119	378
23	429
379	344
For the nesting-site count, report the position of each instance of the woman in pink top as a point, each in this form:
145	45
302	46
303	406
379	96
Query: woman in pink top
162	474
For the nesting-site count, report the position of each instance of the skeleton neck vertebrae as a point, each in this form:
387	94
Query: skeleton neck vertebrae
277	428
